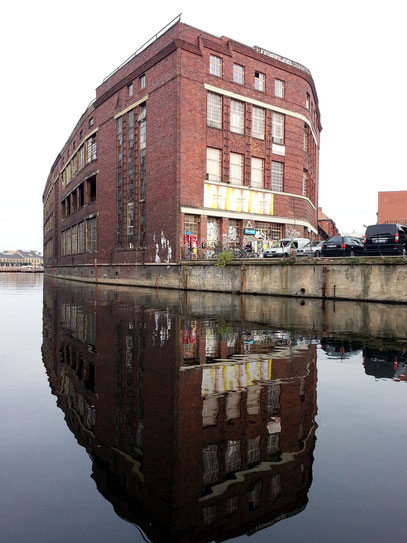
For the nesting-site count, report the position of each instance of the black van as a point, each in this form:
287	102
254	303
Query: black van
386	239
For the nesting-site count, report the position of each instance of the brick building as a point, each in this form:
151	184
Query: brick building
392	207
197	430
195	141
326	226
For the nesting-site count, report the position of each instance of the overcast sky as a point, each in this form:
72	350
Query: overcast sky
54	54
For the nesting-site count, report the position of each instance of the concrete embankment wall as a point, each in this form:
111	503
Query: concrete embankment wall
372	279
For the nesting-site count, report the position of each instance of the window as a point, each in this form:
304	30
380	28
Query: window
253	450
257	173
278	128
142	81
81	157
91	122
259	81
277	175
236	169
130	219
258	116
215	66
238	74
130	89
213	164
214	110
305	183
276	231
307	100
236	117
91	148
305	142
279	88
91	235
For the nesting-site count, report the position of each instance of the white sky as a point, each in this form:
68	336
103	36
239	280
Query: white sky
54	55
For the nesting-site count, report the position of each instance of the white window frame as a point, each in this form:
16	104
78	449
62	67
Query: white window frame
277	176
259	81
142	80
304	183
237	117
214	110
258	122
213	164
277	129
130	89
257	173
279	88
236	169
238	74
215	65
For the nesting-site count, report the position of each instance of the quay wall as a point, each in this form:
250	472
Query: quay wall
365	279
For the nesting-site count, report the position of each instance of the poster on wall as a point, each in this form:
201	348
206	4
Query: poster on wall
234	199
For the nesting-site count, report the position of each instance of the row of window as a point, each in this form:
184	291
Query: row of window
81	238
253	500
259	81
237	118
49	202
141	85
49	224
233	458
236	171
84	194
49	249
85	154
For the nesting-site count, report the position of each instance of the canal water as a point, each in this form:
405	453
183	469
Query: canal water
138	415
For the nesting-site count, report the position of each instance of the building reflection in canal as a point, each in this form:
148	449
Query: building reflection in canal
199	428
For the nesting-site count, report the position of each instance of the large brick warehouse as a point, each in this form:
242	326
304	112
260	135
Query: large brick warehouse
194	142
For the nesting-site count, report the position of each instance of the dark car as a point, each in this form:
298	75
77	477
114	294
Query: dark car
386	239
342	246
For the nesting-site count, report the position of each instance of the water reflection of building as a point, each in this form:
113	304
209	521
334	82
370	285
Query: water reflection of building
197	430
388	363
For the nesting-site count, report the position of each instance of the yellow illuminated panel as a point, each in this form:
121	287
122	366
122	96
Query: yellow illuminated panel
236	199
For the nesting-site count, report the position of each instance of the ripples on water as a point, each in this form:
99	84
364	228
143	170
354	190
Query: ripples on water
200	414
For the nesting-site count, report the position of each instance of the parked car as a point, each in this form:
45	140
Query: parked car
287	247
313	249
342	246
386	239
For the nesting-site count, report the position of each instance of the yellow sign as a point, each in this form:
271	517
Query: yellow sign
236	199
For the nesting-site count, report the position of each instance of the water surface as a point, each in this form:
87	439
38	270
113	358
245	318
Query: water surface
132	415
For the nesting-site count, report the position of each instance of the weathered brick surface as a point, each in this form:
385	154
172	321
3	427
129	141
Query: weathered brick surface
176	67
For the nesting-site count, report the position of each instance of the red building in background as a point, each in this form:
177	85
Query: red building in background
195	141
326	226
392	207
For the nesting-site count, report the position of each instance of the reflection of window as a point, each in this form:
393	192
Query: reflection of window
273	405
273	445
238	74
233	459
236	117
210	410
213	164
275	487
214	110
236	169
233	405
253	450
210	464
254	496
209	515
253	400
232	505
258	122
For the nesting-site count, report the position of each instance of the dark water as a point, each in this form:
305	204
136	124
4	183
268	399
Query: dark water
133	415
